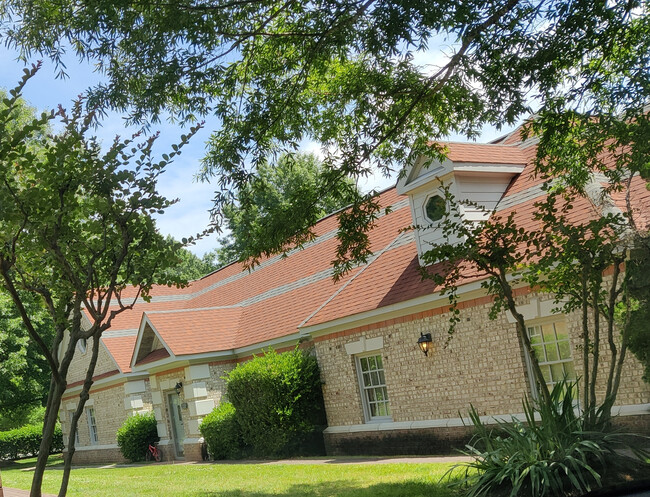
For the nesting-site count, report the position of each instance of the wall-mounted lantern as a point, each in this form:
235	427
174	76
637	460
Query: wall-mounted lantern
178	387
425	343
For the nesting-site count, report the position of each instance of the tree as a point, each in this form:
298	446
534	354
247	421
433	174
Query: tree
24	373
567	257
265	210
345	74
639	308
77	234
189	266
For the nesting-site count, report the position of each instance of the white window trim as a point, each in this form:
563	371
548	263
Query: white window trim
82	345
362	390
90	415
557	318
434	224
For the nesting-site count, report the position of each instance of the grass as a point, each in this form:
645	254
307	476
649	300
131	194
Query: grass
239	480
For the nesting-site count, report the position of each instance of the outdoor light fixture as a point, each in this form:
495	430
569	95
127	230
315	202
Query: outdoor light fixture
178	387
425	342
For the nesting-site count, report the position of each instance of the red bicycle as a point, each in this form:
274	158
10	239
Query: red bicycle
153	453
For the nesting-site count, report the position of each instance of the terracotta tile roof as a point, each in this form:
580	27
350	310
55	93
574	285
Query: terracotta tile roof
234	308
485	153
197	331
121	348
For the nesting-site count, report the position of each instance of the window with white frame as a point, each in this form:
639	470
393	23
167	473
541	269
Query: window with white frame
552	347
76	431
92	425
372	383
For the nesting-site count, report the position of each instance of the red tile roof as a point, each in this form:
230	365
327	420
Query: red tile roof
234	308
485	153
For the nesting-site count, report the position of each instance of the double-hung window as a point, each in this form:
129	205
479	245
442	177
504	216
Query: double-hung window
550	343
92	425
372	384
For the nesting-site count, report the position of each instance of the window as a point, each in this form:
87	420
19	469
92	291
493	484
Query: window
551	345
82	344
92	425
76	432
372	383
435	208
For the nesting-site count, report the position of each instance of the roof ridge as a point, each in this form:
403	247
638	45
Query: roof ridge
481	144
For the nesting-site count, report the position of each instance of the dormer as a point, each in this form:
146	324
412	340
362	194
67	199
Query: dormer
473	172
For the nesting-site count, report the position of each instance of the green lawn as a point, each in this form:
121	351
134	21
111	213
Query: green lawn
239	480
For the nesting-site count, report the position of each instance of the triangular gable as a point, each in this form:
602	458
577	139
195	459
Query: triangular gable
148	340
421	171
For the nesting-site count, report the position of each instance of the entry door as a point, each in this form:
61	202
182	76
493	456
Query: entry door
178	432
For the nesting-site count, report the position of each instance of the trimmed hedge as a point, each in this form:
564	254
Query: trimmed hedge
221	432
279	403
26	442
135	436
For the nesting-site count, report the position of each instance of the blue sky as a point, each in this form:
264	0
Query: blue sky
190	215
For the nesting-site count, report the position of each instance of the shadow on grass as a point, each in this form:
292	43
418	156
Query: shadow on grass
30	462
344	488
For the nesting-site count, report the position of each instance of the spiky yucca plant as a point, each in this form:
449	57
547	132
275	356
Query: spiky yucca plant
552	453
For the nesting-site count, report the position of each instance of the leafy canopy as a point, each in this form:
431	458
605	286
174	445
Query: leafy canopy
24	373
348	75
266	209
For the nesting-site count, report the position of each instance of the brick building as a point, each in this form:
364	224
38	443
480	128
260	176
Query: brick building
382	395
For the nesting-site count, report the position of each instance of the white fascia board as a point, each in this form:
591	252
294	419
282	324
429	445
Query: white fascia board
189	359
469	167
405	175
276	342
439	175
143	322
116	379
430	301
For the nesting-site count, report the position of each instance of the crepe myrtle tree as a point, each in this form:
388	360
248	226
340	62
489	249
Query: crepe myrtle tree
581	262
77	232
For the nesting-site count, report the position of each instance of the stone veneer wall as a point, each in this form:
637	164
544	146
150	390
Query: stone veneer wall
79	364
482	364
202	391
108	403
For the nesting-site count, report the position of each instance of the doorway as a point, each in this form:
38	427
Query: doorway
176	417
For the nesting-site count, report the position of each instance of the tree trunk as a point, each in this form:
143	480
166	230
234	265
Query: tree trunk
523	337
595	352
83	397
51	414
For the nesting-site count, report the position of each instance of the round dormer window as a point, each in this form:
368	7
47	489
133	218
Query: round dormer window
435	208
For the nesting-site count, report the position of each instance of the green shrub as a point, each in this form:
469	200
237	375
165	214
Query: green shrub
550	454
278	403
221	432
135	436
26	441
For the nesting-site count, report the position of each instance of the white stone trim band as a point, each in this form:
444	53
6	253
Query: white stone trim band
629	410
